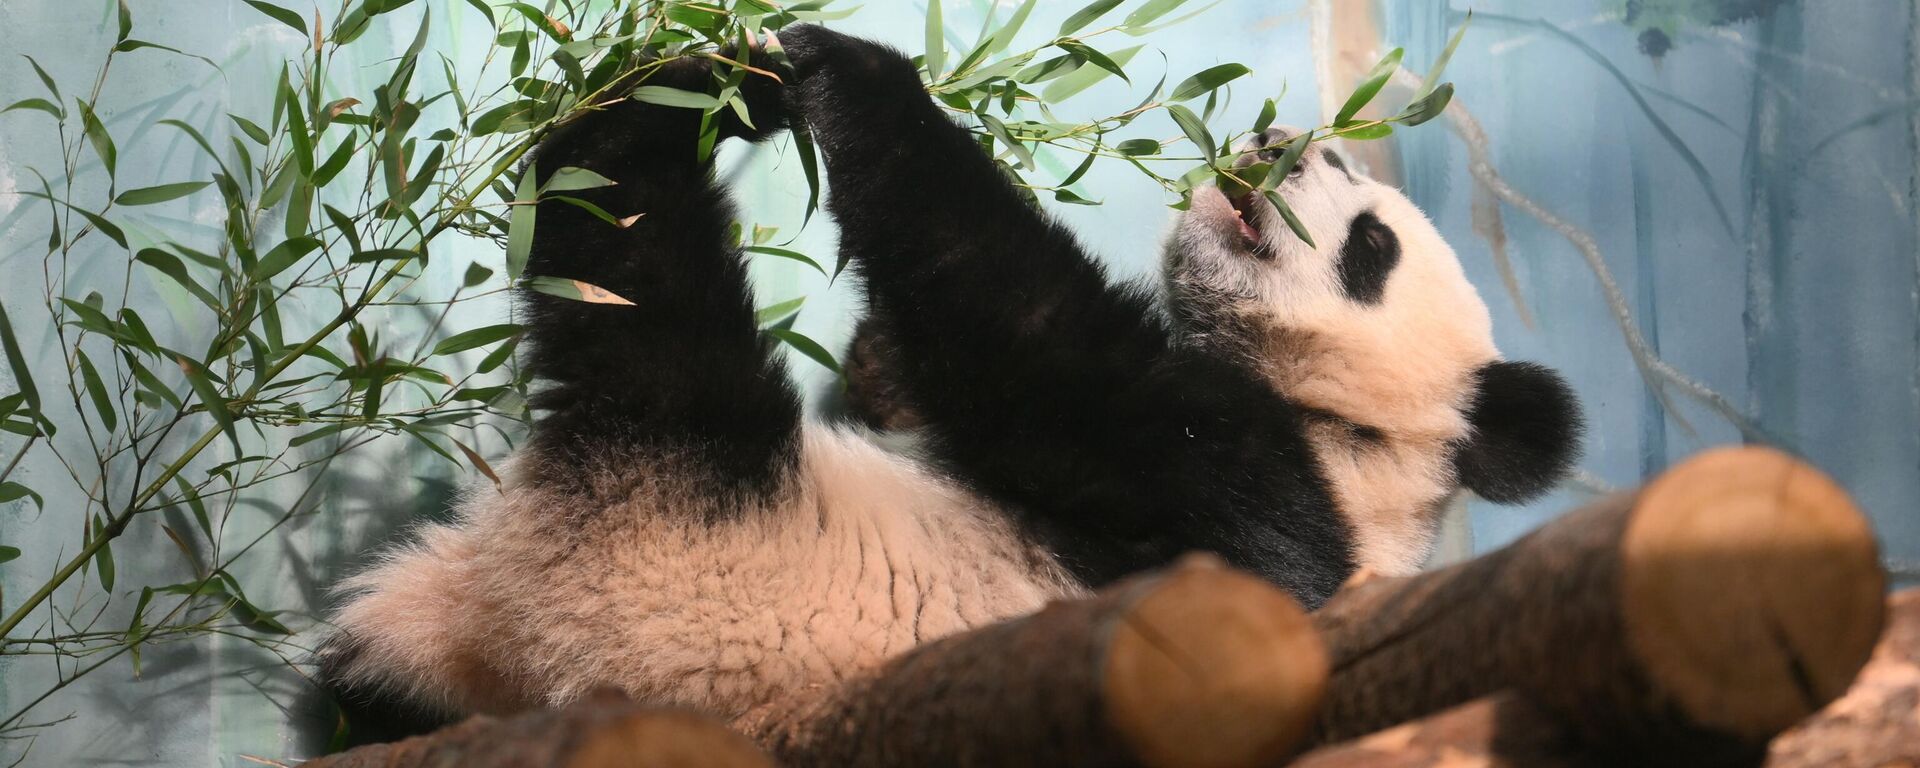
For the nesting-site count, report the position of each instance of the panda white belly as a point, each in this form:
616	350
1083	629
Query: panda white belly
529	599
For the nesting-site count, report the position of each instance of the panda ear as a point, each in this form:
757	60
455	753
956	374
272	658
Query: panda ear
1526	432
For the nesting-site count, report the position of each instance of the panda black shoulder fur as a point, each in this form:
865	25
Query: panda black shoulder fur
676	529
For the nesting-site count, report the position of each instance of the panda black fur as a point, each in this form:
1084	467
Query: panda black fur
674	528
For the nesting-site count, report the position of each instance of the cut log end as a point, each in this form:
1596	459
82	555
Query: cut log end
1213	669
1750	589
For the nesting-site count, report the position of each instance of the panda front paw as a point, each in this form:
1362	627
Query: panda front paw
845	81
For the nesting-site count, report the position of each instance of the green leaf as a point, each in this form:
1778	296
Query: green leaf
1296	148
787	254
476	274
12	491
936	48
675	97
383	254
1292	219
1369	86
476	338
103	557
22	375
97	134
999	131
1003	36
575	290
1078	171
281	15
45	79
1432	80
1084	77
97	391
1195	129
1138	147
520	224
774	312
1096	58
252	129
8	553
202	385
805	346
571	178
1377	131
283	256
596	210
297	130
1153	9
159	194
1207	80
512	117
1068	197
1427	107
126	21
1268	111
1085	16
39	104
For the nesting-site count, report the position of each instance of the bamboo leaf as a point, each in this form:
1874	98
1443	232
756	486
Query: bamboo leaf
97	392
1427	107
1292	219
210	398
478	462
36	103
1432	80
788	254
22	375
1369	86
1152	10
805	346
999	131
576	290
936	57
281	15
570	178
1083	78
97	135
476	338
283	256
675	97
1195	129
159	194
1207	80
12	491
8	553
520	224
774	312
1086	15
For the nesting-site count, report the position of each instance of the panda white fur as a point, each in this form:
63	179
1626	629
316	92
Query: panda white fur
675	528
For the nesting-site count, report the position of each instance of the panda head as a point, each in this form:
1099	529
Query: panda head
1374	328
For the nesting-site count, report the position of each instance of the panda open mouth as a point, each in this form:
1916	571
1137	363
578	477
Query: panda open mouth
1244	215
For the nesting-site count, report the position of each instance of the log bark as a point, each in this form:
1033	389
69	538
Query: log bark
1695	618
1878	722
1197	666
603	731
1501	731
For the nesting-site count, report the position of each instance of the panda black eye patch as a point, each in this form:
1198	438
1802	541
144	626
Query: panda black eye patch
1368	257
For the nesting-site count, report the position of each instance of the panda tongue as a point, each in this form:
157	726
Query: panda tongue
1241	204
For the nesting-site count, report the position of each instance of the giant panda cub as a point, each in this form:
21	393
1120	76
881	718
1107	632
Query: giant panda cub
676	528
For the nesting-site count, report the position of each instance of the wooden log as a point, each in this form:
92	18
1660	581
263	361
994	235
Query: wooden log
603	731
1197	666
1728	599
1500	731
1878	722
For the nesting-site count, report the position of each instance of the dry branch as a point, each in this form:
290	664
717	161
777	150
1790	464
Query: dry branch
603	731
1719	605
1198	666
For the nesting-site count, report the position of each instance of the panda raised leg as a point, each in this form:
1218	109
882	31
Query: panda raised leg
677	361
658	404
1043	385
